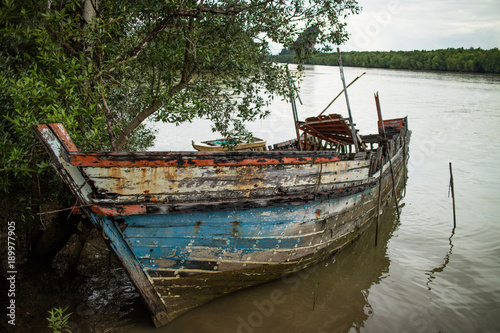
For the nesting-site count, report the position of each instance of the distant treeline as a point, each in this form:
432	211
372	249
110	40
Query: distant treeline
456	60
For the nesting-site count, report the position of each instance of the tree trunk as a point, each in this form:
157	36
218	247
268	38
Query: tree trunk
53	234
50	241
74	258
132	125
90	8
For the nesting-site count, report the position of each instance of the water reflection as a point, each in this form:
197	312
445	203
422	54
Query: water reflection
432	273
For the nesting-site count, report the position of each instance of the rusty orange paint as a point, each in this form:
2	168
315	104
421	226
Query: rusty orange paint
63	135
394	123
40	127
92	159
76	210
86	160
119	210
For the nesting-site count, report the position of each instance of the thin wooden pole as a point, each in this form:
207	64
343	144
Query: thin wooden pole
296	121
353	130
381	129
453	197
340	93
294	111
394	189
404	164
379	196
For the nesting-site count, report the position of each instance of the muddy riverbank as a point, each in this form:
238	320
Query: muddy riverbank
100	297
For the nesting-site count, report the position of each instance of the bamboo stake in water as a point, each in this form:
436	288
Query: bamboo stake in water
453	197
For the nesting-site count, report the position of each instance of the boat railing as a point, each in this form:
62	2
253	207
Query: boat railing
388	147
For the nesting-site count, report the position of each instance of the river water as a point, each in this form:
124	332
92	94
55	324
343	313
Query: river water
424	275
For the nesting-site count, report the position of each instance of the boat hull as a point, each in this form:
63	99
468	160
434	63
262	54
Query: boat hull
192	258
191	227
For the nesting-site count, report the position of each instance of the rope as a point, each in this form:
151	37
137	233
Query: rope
62	210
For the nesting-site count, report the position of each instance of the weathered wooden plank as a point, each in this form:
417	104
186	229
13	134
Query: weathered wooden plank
59	153
204	183
180	159
277	198
198	248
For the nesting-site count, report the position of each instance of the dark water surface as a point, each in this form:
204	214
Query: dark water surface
422	276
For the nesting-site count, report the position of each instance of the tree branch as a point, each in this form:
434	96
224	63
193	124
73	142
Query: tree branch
132	125
190	67
108	115
187	62
231	9
155	106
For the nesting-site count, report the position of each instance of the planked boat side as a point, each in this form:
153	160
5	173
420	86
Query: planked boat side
189	227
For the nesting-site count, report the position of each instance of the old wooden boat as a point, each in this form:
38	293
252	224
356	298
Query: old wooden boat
189	227
221	145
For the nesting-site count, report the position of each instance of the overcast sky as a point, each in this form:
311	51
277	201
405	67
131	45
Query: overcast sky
385	25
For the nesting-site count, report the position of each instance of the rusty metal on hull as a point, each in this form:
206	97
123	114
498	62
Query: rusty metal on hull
192	226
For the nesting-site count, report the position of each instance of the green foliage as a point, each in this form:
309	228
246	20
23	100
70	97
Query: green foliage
456	60
58	320
102	73
41	83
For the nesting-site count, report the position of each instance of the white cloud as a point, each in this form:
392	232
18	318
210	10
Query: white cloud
426	24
